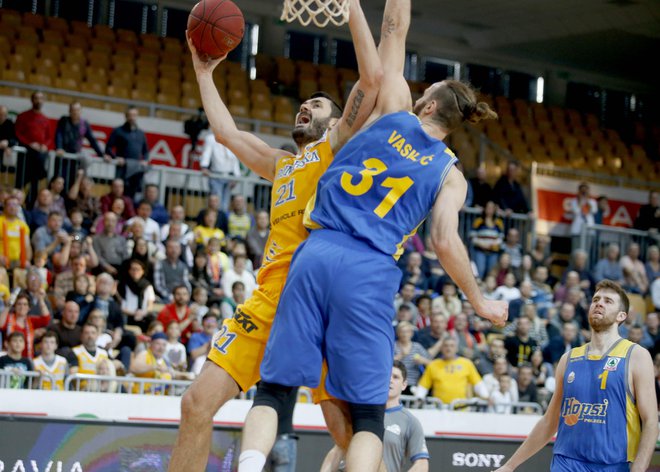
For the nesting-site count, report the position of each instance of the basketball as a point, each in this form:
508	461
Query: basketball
215	27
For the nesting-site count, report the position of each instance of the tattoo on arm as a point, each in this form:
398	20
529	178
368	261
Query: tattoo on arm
389	25
355	107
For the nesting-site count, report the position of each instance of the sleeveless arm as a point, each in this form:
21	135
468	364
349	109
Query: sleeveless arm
544	429
451	251
394	92
252	151
362	98
644	390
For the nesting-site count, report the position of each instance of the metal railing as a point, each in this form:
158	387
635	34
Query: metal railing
18	379
479	405
177	186
127	384
595	239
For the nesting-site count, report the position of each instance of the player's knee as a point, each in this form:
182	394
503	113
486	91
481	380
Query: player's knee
272	395
368	418
193	404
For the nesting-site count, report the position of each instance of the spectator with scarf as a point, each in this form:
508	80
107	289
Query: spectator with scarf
137	296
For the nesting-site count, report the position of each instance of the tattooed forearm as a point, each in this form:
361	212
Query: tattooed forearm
355	107
389	25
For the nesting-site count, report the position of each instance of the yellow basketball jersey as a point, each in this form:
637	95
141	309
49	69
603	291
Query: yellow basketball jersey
57	370
295	182
87	362
149	388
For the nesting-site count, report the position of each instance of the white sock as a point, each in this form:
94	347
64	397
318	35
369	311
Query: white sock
251	461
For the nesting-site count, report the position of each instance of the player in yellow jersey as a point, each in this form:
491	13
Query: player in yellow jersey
50	363
320	129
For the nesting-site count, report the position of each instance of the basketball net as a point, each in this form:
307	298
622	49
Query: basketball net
320	12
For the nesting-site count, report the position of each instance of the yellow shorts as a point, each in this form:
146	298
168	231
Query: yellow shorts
319	393
238	347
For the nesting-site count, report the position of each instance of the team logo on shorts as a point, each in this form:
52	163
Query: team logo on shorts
245	321
612	363
570	377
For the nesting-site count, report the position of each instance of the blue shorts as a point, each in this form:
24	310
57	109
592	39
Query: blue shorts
566	464
337	304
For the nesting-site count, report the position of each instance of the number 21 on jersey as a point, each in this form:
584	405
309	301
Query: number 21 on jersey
373	167
285	193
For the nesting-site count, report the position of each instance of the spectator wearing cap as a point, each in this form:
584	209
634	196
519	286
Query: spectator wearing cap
151	364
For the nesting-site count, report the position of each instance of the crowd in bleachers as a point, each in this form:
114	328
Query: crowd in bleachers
118	284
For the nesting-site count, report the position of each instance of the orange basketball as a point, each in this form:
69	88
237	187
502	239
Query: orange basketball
215	27
571	420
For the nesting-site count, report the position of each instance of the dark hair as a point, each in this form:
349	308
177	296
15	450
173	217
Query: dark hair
53	213
236	284
336	110
209	315
15	334
88	323
178	287
422	297
615	287
456	103
402	367
51	334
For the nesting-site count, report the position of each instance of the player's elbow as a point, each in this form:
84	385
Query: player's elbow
442	243
372	78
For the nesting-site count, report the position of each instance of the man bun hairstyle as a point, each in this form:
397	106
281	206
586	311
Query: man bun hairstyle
457	102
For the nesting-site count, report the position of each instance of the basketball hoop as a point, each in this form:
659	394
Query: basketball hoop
320	12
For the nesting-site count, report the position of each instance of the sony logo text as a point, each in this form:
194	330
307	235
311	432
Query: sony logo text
471	459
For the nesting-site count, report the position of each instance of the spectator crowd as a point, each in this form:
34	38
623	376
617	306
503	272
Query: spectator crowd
120	285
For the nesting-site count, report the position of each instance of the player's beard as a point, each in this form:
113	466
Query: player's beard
601	324
310	133
419	106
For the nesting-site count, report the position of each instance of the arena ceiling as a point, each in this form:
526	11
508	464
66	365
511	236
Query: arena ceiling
617	38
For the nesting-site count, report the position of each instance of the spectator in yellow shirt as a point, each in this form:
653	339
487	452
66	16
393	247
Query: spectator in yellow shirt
207	229
15	248
450	378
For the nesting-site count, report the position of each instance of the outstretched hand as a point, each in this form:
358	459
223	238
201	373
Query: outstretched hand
496	311
202	63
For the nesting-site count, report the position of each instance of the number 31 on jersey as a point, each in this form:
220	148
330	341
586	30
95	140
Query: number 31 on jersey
373	167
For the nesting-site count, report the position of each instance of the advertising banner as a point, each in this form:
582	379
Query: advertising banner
551	197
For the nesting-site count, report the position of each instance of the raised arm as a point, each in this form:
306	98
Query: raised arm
252	151
394	92
644	390
362	98
449	247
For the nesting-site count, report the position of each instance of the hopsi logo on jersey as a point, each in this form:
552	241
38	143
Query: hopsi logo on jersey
573	411
307	158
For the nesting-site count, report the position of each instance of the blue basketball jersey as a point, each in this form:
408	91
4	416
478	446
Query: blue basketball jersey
382	184
599	421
